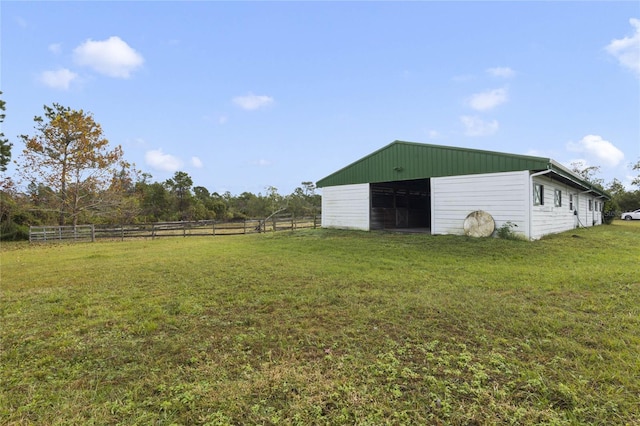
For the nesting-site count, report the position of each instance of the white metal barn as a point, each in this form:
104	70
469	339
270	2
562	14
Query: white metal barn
407	185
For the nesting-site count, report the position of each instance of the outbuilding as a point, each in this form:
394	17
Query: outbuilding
414	186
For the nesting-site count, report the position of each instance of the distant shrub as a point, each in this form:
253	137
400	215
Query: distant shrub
611	211
11	231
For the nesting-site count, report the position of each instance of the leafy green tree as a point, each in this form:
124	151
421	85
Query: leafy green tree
275	201
18	211
247	205
630	200
70	155
201	193
8	208
615	188
304	201
636	168
621	198
121	201
219	206
588	173
43	204
213	204
180	187
5	146
155	201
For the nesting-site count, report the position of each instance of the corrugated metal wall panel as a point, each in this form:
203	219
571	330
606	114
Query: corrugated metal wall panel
503	195
346	206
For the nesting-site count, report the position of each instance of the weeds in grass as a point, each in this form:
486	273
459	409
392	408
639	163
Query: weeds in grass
507	232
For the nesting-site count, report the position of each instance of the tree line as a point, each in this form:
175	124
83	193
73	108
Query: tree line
622	199
71	176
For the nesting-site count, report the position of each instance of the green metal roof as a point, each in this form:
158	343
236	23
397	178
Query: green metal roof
408	160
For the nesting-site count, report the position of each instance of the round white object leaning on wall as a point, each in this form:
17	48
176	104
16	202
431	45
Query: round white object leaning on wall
479	224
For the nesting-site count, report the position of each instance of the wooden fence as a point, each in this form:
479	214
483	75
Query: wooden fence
169	229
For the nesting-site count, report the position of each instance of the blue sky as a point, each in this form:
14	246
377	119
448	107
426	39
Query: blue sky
245	95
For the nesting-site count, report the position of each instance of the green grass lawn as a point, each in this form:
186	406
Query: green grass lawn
323	327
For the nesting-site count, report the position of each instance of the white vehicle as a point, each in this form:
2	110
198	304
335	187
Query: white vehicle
631	215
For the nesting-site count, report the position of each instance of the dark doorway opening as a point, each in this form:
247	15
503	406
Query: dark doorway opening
401	204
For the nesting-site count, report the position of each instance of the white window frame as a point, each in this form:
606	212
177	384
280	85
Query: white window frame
557	198
538	194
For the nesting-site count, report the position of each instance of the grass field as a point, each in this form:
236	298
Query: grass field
323	327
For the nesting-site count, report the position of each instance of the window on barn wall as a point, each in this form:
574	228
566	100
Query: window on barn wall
570	201
538	195
590	205
557	198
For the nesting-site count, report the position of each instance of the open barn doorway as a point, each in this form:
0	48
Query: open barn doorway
402	205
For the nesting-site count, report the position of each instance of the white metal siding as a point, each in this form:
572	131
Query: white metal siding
549	218
346	206
503	195
589	217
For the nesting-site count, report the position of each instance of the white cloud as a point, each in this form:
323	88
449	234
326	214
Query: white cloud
22	23
504	72
158	160
261	162
112	57
596	148
59	79
196	162
488	100
55	48
475	126
627	50
433	134
538	153
223	119
463	78
251	101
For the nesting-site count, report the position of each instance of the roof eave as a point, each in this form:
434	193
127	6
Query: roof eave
589	187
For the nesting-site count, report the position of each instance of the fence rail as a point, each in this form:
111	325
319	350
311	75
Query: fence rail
61	233
169	229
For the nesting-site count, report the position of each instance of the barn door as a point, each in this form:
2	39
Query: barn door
574	206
